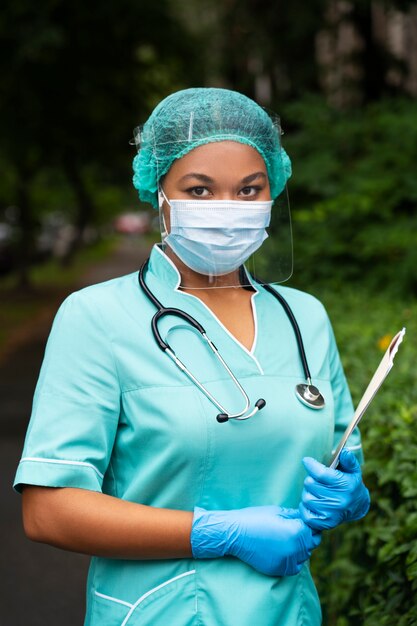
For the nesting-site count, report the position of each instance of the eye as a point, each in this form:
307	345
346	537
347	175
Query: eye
199	192
250	192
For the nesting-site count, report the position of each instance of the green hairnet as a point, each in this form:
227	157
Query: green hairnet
194	117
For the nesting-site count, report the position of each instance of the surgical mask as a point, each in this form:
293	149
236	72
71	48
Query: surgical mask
215	237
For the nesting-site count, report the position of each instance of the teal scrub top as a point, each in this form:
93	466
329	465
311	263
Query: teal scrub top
112	413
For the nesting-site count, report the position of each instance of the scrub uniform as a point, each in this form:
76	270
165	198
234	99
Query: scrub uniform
112	413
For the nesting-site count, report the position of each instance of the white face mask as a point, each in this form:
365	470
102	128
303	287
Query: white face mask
215	237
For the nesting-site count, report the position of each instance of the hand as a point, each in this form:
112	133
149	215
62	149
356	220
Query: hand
273	540
333	496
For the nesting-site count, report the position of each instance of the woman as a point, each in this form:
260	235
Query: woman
190	520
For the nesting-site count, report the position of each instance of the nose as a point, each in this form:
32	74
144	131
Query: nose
226	197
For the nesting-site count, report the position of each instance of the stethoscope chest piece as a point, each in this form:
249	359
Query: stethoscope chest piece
310	396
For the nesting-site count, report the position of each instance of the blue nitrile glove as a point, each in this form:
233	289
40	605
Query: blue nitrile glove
333	496
273	540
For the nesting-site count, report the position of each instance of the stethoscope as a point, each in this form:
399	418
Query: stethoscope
307	393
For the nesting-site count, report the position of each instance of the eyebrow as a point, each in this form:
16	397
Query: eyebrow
252	177
202	177
207	179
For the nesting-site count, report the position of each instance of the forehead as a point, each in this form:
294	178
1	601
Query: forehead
215	156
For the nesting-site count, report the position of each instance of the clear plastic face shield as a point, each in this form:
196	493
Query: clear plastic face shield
218	223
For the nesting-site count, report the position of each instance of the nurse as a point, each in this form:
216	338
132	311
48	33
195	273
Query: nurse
191	521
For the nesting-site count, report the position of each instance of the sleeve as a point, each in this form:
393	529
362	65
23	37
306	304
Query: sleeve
76	404
343	406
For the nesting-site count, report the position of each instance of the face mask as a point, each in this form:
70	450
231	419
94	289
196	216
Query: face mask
215	237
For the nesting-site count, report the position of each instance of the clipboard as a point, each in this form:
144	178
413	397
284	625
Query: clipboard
377	379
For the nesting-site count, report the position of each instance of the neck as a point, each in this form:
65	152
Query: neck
193	280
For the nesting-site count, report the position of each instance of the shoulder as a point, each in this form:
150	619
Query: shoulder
108	290
98	304
301	302
310	316
103	294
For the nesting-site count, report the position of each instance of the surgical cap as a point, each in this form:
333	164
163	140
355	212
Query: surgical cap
194	117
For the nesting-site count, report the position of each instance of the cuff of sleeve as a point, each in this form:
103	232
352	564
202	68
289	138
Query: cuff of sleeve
357	451
57	473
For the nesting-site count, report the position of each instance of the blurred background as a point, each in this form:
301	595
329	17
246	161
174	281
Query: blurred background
76	78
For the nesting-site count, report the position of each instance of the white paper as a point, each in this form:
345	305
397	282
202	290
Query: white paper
377	379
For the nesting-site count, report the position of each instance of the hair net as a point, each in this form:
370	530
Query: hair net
194	117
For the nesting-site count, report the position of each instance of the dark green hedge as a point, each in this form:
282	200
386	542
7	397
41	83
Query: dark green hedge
354	196
367	571
353	193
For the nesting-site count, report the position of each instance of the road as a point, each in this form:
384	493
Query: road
40	585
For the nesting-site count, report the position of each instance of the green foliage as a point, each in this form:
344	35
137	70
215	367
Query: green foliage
75	81
366	572
353	196
354	193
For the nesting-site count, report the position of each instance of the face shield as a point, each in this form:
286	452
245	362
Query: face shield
220	242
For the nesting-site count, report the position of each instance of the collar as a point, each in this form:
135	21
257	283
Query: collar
162	268
164	279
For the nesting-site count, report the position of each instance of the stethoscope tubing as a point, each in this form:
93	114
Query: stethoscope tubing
165	347
295	326
306	393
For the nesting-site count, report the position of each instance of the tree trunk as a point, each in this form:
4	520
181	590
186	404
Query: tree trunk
26	228
373	59
85	204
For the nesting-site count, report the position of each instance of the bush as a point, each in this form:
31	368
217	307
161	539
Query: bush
353	193
366	572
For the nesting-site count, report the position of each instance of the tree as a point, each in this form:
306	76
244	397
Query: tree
75	80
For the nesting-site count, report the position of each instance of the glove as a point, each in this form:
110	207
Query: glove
333	496
273	540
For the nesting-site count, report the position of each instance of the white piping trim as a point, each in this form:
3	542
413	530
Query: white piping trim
166	258
357	447
227	331
255	321
102	595
61	462
151	591
176	288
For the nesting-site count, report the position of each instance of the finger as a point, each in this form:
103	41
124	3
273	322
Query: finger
325	504
320	491
320	472
296	568
313	539
348	462
288	513
313	521
304	554
311	509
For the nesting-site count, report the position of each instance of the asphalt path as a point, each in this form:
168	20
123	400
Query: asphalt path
40	585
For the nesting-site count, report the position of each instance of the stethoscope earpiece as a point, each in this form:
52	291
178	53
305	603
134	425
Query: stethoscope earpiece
223	417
